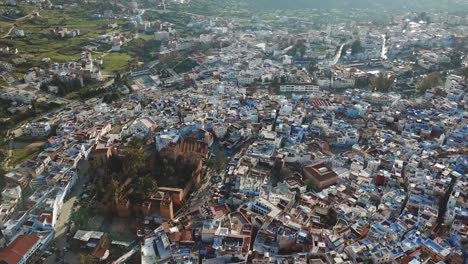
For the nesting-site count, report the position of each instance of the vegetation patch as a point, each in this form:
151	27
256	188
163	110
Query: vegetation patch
116	62
81	217
185	65
22	154
142	48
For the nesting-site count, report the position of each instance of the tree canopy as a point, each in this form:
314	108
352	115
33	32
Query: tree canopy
312	67
430	81
298	49
381	82
465	73
130	178
356	47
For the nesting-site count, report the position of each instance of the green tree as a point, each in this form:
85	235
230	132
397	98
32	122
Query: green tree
283	79
465	73
120	191
310	185
244	65
423	17
302	50
118	80
275	82
109	98
134	157
312	67
2	175
456	59
298	49
430	81
381	83
143	186
220	161
44	87
356	47
34	107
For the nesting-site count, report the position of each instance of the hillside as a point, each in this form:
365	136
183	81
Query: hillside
252	6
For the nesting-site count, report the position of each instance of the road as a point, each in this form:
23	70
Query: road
9	32
16	20
65	214
338	54
384	47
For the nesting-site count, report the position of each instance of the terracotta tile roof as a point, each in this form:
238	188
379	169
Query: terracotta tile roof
219	211
320	171
186	235
175	237
18	248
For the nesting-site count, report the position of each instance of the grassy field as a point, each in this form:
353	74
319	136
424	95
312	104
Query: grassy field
146	37
22	154
116	61
39	42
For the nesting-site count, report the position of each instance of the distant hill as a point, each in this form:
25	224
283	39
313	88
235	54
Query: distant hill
340	4
402	5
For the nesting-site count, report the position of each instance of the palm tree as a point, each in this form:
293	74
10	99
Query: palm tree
121	191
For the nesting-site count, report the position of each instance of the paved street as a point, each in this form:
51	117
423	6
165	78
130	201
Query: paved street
65	213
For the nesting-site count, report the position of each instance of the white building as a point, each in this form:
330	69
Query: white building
12	194
324	82
342	82
302	88
37	129
279	194
140	127
455	82
161	35
116	43
245	79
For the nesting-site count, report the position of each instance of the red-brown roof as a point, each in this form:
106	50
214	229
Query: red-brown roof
190	145
320	171
175	237
165	227
18	248
102	151
186	235
219	211
45	217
